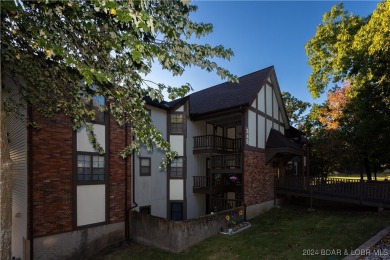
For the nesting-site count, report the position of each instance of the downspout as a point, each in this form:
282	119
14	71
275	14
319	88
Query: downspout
243	143
30	182
126	190
133	174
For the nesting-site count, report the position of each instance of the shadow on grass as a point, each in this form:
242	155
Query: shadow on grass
289	232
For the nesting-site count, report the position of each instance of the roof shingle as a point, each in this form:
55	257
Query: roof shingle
229	95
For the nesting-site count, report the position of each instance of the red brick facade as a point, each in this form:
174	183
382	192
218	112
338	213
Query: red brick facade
258	178
52	175
117	173
51	152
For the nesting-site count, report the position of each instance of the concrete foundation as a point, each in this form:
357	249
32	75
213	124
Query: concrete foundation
257	209
79	244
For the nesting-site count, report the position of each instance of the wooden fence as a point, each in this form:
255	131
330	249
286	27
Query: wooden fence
370	193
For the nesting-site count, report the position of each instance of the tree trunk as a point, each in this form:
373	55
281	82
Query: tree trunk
5	191
367	167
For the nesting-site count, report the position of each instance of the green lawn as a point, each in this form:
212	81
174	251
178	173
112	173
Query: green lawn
379	177
284	233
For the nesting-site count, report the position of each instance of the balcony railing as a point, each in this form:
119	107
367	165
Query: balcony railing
208	182
213	185
219	204
226	162
207	142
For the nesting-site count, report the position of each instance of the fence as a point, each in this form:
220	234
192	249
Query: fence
175	236
371	193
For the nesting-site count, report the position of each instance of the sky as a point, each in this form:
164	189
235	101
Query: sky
261	34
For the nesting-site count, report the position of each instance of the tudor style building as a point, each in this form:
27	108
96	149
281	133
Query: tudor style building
70	202
231	141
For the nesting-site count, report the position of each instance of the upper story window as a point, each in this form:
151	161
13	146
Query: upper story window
95	105
177	166
145	166
176	123
90	167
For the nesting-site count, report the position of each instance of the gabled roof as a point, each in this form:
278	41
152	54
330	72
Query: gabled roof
229	95
277	143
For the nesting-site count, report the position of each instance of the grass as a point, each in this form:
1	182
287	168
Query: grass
283	233
379	177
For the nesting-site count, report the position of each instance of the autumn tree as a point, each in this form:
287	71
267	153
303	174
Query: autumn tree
356	49
62	53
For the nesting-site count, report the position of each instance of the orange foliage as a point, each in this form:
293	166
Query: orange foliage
334	106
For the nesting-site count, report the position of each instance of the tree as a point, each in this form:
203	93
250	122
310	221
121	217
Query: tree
63	53
356	49
295	108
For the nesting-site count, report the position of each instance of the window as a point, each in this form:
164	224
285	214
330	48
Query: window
90	167
177	211
95	104
177	167
145	166
145	210
177	123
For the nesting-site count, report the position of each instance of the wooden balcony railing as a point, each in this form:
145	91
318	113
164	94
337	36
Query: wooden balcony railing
226	161
206	142
209	185
208	182
363	192
219	204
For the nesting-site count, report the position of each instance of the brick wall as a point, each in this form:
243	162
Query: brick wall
52	175
258	178
117	173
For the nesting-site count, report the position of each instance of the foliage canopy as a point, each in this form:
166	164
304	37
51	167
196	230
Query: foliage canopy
355	50
63	53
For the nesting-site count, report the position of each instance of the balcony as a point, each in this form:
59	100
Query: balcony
219	204
226	163
216	144
218	184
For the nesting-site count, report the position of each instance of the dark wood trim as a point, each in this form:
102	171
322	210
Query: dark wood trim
107	163
185	109
74	180
89	182
258	112
168	182
243	157
183	127
105	182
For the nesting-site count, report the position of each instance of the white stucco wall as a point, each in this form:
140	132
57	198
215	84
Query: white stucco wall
83	144
152	190
177	144
196	166
176	191
252	128
91	204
